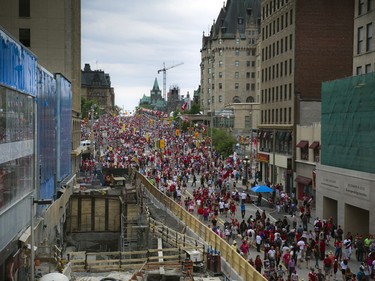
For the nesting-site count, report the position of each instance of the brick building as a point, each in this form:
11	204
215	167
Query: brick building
302	44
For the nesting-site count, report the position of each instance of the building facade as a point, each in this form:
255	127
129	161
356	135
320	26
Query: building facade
307	155
96	86
299	50
364	33
155	101
228	56
17	163
346	173
51	29
36	136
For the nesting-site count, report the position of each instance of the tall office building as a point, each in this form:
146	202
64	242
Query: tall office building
51	29
228	56
302	44
346	174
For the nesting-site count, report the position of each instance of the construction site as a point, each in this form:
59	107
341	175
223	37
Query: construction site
121	231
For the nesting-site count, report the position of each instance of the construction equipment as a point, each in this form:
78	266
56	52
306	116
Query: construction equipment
164	70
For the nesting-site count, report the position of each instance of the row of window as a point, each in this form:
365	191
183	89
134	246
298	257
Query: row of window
277	70
277	116
365	7
362	45
367	69
249	87
236	63
277	25
235	99
282	146
249	52
272	7
305	153
220	99
24	12
248	75
276	94
238	41
277	48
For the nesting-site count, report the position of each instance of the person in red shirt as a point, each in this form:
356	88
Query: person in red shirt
258	264
244	248
322	249
312	275
338	249
233	209
327	263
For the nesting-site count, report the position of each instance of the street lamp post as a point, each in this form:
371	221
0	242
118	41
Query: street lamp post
246	162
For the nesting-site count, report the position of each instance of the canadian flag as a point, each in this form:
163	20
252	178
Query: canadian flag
183	107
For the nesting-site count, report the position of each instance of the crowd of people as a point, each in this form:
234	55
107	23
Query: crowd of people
174	161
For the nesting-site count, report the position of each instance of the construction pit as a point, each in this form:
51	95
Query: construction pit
118	233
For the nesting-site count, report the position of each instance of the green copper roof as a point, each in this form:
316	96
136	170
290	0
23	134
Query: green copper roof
156	85
145	99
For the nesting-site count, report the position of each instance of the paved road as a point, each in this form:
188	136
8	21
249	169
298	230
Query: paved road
273	215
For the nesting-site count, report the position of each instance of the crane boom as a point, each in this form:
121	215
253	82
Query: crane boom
164	70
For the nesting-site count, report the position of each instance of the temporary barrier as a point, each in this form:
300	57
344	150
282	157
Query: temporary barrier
222	248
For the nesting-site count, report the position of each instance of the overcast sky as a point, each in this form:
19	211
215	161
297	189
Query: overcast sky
130	40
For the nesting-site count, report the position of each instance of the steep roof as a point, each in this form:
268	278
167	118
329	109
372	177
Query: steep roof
156	85
95	78
234	16
145	99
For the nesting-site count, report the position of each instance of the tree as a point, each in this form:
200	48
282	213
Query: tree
86	106
195	109
223	142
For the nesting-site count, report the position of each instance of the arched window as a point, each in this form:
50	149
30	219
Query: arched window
236	100
250	99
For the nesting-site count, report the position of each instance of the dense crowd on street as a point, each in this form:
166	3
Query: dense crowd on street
182	161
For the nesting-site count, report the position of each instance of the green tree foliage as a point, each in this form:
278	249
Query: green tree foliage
223	142
86	107
195	109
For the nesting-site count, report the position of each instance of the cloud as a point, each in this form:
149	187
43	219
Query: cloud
130	40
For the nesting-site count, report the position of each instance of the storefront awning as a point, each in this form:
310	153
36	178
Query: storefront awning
303	180
302	144
314	145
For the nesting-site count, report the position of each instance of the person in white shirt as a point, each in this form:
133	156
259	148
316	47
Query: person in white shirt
271	253
198	202
221	207
294	276
258	241
251	234
301	244
347	245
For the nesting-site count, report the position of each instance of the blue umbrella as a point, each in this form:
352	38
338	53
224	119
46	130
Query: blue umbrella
261	188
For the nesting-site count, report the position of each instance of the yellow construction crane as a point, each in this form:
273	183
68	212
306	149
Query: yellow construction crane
164	70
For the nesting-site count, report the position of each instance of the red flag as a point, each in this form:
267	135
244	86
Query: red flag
183	107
